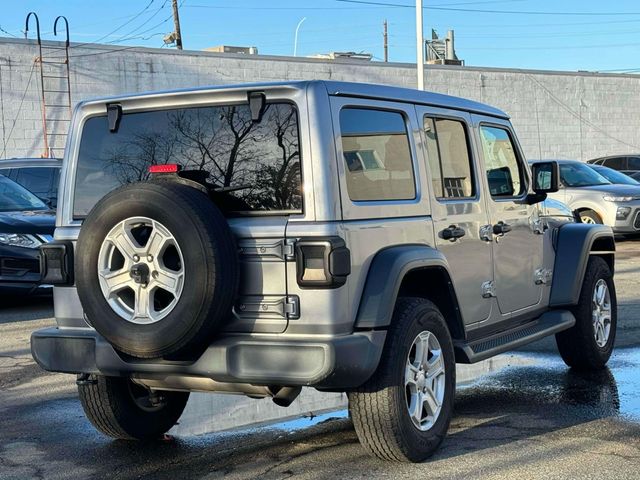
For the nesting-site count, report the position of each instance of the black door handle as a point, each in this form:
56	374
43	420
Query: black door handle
453	232
501	228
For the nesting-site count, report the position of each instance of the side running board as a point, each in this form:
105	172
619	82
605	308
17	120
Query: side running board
547	324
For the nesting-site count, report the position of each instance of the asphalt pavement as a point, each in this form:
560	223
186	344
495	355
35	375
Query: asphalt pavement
528	417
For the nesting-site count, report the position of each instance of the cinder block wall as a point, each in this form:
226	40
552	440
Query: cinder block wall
556	114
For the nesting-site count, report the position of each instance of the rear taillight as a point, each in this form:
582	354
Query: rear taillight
322	262
56	263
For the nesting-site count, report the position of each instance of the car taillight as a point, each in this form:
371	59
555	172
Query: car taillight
322	262
166	168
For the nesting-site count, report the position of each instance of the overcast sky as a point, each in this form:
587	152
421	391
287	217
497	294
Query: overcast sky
541	34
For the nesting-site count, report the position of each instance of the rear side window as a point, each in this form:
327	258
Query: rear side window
504	171
254	166
617	163
377	155
634	163
449	159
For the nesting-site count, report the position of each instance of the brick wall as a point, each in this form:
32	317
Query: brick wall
556	114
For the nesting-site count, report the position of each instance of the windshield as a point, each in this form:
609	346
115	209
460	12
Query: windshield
255	166
580	175
615	176
15	198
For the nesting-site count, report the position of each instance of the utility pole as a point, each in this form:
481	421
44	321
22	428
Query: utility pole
419	45
386	42
176	22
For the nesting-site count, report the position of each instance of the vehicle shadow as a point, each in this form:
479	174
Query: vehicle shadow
20	309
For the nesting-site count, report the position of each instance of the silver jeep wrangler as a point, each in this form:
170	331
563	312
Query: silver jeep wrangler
262	238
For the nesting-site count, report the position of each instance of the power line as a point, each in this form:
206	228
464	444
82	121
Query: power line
501	12
118	28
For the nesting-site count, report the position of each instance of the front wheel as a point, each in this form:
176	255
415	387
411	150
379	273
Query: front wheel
124	410
591	217
403	411
589	343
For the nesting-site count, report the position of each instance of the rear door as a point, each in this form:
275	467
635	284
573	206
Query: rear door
517	229
253	168
458	209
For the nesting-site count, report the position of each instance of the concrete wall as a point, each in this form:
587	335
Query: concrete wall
556	114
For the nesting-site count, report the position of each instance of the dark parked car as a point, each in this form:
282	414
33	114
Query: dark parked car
26	222
40	176
614	176
623	163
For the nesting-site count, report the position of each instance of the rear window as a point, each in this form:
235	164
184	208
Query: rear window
254	166
377	155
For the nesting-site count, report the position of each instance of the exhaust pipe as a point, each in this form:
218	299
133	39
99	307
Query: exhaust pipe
282	396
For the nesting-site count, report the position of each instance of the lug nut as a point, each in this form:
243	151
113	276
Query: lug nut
149	258
154	274
136	258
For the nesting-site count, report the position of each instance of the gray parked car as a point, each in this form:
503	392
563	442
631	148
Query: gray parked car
356	238
596	199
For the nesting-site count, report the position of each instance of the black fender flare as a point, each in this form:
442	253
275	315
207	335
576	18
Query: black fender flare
574	243
384	278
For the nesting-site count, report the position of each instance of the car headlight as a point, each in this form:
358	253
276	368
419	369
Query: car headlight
20	240
613	198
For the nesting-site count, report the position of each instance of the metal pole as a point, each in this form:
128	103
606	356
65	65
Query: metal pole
386	42
419	45
176	22
295	40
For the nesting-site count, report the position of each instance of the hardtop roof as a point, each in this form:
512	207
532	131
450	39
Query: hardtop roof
362	90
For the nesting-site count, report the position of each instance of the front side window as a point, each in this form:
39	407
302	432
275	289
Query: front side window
504	173
253	166
449	159
580	175
377	155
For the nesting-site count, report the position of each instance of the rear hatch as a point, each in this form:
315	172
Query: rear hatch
252	167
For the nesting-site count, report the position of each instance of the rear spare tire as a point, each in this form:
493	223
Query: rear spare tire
156	269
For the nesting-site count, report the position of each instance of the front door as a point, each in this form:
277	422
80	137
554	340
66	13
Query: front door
458	209
517	230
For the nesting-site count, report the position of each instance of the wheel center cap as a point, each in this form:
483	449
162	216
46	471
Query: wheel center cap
140	273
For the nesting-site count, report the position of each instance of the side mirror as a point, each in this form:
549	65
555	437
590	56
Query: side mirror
546	177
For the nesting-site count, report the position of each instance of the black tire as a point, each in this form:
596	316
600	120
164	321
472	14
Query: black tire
379	407
586	215
210	264
118	408
577	345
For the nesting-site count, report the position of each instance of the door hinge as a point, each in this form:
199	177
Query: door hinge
486	233
488	289
289	249
269	306
292	307
543	276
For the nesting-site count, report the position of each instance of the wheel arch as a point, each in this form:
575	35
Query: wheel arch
408	270
575	242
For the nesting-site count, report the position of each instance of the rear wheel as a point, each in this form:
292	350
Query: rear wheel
589	216
403	411
589	343
124	410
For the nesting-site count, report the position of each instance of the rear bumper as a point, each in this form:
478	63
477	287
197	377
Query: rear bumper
335	363
19	270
